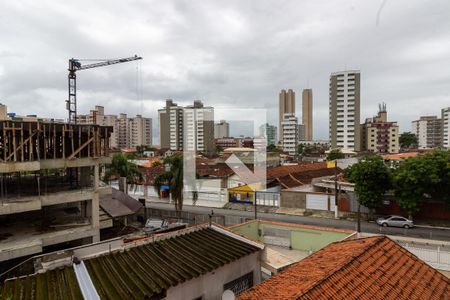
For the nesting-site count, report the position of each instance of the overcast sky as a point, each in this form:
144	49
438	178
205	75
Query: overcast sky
226	53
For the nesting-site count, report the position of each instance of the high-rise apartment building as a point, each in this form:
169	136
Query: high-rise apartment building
446	127
127	132
286	106
428	130
307	114
221	129
289	128
301	132
199	127
170	125
378	135
345	110
270	133
195	123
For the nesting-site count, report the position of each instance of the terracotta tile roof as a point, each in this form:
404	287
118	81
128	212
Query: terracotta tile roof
56	284
399	156
286	170
304	176
368	268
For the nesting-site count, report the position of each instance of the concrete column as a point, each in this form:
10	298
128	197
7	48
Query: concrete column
94	211
145	190
123	184
96	176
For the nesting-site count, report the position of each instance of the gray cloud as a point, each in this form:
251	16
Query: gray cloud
227	53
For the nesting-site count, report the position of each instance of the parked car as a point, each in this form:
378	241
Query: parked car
395	221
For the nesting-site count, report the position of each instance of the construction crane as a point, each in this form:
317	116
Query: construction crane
75	65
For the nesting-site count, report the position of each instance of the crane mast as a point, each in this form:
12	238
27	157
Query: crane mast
75	65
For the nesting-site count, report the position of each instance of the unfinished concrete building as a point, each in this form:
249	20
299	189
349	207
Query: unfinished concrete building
50	187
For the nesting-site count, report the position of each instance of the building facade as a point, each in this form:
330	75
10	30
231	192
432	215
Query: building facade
286	106
428	130
54	179
378	135
307	114
221	129
289	127
3	112
199	127
445	113
127	132
344	110
270	132
194	123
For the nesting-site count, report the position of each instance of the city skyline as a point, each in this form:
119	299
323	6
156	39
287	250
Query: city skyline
389	44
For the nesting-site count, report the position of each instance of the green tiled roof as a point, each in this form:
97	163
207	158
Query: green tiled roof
55	284
149	270
142	272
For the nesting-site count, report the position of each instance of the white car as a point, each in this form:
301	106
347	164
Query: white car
395	221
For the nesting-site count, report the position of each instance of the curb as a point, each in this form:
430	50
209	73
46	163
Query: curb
432	227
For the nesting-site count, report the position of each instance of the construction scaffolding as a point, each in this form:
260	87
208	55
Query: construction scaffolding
35	141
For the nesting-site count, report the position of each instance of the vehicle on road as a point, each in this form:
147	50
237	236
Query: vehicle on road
395	221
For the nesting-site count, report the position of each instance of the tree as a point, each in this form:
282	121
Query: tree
421	177
408	140
372	178
218	149
272	148
173	178
335	154
120	166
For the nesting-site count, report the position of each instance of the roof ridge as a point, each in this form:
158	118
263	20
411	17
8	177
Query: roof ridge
378	239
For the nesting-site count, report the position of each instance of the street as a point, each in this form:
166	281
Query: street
416	232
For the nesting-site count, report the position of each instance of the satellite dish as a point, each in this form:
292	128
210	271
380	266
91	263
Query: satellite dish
228	295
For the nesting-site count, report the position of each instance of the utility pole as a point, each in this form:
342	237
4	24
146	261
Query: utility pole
336	213
256	207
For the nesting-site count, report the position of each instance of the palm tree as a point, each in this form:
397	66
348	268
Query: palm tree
120	166
174	178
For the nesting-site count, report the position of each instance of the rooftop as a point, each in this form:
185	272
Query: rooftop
143	269
367	268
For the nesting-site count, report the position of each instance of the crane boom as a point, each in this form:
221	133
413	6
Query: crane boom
75	65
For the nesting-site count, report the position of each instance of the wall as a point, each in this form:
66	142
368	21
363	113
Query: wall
292	199
210	285
301	237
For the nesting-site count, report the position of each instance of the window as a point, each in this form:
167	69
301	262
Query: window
240	284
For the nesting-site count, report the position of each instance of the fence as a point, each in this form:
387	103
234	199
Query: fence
268	199
438	256
195	218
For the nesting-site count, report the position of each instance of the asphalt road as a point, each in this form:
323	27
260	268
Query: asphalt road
416	232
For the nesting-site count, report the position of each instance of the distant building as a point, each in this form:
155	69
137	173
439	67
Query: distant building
301	132
195	122
307	114
378	135
199	127
345	110
446	127
428	130
289	128
221	129
286	106
3	112
127	132
228	142
170	121
270	132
